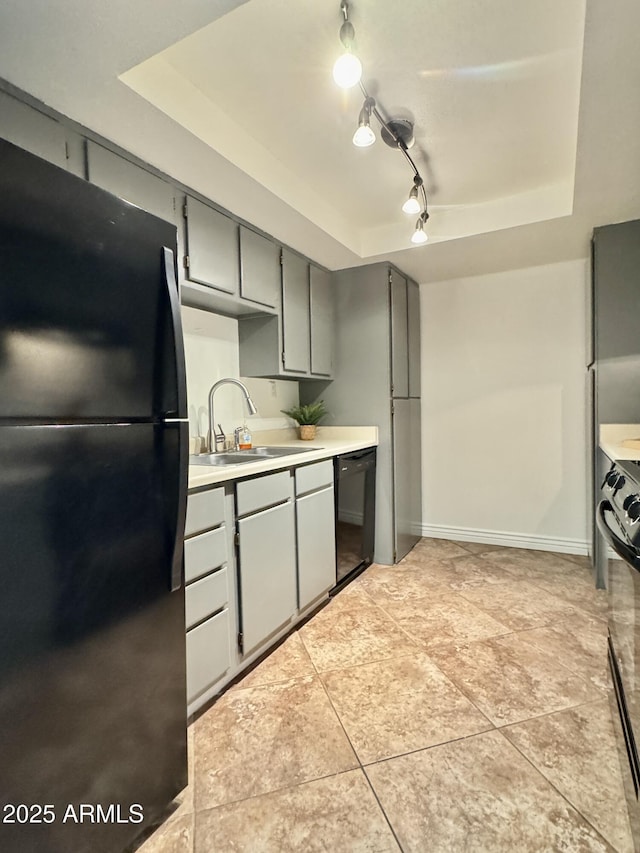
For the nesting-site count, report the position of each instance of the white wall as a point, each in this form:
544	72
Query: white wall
211	353
504	407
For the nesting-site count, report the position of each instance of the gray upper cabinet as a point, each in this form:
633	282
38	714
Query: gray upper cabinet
32	130
413	330
322	321
130	182
259	268
295	313
213	256
399	337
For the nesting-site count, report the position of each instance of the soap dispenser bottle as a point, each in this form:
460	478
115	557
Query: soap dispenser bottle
244	438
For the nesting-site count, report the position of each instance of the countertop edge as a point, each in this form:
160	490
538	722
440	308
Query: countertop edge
202	476
611	438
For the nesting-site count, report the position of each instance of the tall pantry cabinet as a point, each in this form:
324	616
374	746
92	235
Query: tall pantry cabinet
377	370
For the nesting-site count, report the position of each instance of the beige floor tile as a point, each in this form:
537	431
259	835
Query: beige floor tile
519	605
534	563
342	636
578	643
510	680
405	581
396	706
441	549
580	560
479	547
578	590
470	571
259	739
339	813
444	619
480	795
576	751
174	836
289	660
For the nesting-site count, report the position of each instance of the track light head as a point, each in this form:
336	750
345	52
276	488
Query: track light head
364	135
420	236
347	70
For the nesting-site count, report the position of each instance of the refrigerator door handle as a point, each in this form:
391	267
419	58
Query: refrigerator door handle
176	323
628	554
177	573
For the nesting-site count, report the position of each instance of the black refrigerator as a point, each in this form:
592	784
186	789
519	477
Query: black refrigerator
614	371
93	479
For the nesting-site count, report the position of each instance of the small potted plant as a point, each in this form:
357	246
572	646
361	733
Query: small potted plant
308	417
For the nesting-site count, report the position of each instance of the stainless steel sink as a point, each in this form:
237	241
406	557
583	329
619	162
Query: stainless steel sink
239	457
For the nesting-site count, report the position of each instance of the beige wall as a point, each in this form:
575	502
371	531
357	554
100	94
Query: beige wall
211	353
504	407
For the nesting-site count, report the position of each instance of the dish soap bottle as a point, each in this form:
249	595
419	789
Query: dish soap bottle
245	441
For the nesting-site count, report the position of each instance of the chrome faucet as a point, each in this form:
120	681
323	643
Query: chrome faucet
214	438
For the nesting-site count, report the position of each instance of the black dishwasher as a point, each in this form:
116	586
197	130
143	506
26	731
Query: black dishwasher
355	488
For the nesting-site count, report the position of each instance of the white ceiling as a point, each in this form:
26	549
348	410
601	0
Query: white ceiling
528	115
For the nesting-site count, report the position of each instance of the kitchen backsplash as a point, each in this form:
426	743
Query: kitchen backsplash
211	353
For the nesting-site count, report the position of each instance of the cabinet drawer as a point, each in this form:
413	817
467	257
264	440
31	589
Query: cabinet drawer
204	511
208	654
205	596
252	495
204	553
312	477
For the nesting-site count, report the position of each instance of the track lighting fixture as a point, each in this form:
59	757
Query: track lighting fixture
420	235
396	133
347	69
364	135
412	205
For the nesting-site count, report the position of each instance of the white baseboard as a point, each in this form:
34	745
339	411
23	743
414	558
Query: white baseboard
509	540
350	517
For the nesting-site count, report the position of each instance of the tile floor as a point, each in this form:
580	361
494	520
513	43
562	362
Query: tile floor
455	702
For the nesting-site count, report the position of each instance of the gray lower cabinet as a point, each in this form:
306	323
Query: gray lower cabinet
32	130
266	557
259	268
315	528
207	595
213	254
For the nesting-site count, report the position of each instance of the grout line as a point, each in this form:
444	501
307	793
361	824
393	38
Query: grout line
360	764
555	788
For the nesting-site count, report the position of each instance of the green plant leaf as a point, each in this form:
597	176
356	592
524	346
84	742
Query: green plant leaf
309	414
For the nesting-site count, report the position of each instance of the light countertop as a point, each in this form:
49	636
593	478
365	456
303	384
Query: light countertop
612	436
329	441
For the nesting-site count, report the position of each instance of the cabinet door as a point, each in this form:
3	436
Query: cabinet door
32	130
212	247
267	572
322	321
295	313
315	520
399	343
259	268
413	330
405	470
130	182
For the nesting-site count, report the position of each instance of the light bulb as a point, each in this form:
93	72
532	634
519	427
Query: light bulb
419	236
412	205
347	71
364	136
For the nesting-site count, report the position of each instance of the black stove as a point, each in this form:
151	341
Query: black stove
621	487
618	519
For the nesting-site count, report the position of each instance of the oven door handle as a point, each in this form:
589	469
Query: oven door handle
628	554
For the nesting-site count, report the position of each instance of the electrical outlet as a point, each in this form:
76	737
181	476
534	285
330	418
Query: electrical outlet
274	391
